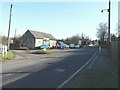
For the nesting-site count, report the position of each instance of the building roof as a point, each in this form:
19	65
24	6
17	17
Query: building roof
38	34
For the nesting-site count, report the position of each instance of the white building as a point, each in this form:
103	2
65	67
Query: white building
32	39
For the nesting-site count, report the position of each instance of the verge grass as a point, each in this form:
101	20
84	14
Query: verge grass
44	52
7	56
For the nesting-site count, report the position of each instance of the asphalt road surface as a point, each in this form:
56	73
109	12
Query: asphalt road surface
47	71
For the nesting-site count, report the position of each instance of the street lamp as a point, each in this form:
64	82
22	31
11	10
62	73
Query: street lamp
109	39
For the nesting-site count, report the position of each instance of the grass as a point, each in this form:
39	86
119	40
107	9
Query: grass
7	56
44	52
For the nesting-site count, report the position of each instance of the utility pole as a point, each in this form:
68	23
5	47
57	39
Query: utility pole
8	39
109	37
15	33
82	40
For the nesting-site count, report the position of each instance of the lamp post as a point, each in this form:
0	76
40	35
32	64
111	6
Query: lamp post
109	38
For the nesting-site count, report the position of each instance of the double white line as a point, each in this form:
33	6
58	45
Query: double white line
66	81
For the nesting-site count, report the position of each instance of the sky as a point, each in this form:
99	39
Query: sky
61	19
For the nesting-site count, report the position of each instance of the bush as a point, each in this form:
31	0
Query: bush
7	56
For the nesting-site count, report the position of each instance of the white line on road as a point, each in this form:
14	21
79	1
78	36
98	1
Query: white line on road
92	62
66	81
94	59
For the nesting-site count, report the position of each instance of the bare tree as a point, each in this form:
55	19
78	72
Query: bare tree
67	41
0	39
17	41
4	40
75	40
118	29
102	31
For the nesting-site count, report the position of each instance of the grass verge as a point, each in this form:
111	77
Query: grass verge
44	52
7	56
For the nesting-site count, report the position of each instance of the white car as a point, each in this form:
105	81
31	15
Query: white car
61	45
66	46
72	46
91	45
77	46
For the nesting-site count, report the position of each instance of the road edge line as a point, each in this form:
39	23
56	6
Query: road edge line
61	85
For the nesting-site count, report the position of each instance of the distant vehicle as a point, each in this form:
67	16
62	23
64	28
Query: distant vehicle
72	46
62	45
66	46
44	47
91	45
23	48
77	46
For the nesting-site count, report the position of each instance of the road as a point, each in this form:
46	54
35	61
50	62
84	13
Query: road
47	71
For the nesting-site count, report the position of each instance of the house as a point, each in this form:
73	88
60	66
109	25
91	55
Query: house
32	39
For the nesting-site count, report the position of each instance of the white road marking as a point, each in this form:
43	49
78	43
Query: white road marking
92	62
94	58
99	49
59	70
9	74
66	81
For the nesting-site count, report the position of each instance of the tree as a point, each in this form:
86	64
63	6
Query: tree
0	39
67	41
113	37
17	41
102	31
3	40
75	39
119	29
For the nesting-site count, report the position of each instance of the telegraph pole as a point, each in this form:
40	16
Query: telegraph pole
109	37
8	39
15	33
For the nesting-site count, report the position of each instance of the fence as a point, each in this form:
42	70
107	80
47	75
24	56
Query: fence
114	51
3	50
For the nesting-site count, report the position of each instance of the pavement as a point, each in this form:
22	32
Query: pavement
103	73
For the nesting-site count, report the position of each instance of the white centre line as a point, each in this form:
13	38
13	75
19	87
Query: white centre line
66	81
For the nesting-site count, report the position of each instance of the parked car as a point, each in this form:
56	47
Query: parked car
72	46
62	45
77	46
66	46
91	45
44	47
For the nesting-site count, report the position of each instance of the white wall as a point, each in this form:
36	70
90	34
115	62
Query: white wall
38	42
53	43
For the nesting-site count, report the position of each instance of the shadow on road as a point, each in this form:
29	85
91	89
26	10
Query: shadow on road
51	76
